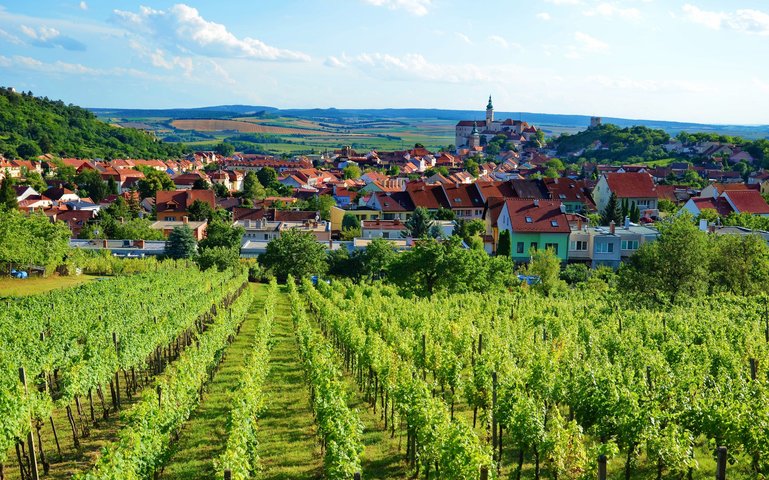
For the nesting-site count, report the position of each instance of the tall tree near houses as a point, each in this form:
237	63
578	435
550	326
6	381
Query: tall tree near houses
635	213
8	195
505	247
612	211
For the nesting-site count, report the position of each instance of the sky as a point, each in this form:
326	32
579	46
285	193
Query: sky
693	60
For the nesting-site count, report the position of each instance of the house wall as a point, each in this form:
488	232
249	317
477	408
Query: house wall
540	239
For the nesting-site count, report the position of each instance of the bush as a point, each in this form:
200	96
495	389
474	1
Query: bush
575	273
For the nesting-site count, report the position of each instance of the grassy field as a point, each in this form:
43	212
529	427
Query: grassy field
13	287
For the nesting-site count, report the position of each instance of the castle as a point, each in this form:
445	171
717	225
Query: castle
472	135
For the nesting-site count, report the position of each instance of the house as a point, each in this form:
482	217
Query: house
715	189
637	188
167	226
464	200
388	229
573	194
75	219
23	192
60	195
430	197
173	205
737	201
397	205
337	216
185	181
608	245
535	224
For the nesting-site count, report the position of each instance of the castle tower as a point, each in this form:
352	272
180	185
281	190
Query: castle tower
475	138
489	113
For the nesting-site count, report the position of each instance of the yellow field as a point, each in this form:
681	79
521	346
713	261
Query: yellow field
244	127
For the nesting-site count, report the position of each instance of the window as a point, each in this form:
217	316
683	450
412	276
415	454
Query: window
519	247
385	234
642	204
169	219
528	220
629	244
604	247
553	223
562	196
533	246
266	236
552	246
578	245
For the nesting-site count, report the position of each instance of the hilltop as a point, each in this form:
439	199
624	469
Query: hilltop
31	126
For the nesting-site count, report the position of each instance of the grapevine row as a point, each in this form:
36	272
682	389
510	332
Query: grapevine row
240	457
339	427
154	422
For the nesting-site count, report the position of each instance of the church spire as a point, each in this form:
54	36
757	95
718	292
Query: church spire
489	106
475	129
489	114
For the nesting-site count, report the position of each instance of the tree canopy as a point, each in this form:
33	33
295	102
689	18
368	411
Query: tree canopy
295	253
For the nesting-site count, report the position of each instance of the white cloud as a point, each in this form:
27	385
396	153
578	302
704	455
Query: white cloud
334	62
465	38
183	28
748	21
49	37
9	37
414	7
761	85
414	66
544	16
499	41
611	10
585	44
649	86
83	6
564	2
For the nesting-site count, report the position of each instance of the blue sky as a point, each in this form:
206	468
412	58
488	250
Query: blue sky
692	60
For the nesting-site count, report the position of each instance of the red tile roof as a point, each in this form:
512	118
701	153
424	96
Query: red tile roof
631	185
539	216
567	190
720	205
747	201
430	197
180	200
462	195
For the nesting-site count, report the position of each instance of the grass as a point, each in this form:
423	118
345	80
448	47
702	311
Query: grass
14	287
202	440
289	446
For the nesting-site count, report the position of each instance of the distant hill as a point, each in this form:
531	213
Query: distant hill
356	115
31	126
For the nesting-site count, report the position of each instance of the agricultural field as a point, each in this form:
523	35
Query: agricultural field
303	381
13	287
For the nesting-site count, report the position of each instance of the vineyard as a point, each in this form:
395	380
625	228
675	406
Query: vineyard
177	373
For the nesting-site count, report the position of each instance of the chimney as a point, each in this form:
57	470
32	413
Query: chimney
104	243
185	219
139	243
627	222
612	226
536	202
704	225
579	223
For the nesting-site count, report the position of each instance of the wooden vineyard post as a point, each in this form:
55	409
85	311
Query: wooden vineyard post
602	467
721	464
356	476
228	475
160	396
484	473
30	440
753	369
55	436
117	376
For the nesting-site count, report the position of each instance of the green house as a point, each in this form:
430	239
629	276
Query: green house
535	223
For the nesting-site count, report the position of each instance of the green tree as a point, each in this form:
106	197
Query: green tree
199	211
740	264
612	211
350	221
546	265
153	182
27	240
35	180
295	253
420	225
220	190
376	258
672	269
200	184
322	204
224	149
252	187
351	172
666	206
267	176
471	166
91	181
221	233
444	214
469	229
635	213
505	246
575	273
220	257
8	195
181	243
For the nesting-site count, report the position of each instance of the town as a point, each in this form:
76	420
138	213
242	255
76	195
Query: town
504	178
